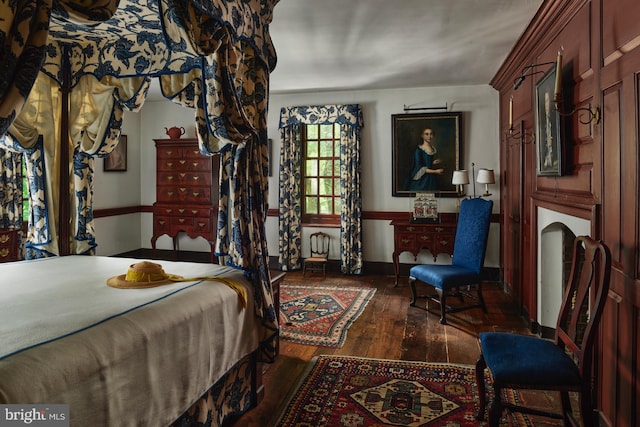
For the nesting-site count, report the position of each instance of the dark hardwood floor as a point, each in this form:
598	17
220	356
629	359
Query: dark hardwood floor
387	329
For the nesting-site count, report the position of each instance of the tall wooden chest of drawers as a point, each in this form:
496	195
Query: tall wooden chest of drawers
186	192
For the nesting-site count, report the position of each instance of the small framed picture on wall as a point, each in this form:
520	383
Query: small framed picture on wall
116	161
548	127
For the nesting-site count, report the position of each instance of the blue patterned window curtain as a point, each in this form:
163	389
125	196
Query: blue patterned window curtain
290	230
10	189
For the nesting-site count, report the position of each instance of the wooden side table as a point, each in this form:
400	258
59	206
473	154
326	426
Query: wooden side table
413	237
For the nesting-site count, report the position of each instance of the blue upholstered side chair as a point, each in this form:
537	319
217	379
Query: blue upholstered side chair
564	364
465	271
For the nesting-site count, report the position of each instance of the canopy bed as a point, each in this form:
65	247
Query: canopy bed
69	70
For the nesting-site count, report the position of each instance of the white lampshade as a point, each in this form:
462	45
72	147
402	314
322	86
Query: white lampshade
460	177
485	176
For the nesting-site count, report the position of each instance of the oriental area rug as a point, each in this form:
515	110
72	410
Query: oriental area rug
351	391
320	315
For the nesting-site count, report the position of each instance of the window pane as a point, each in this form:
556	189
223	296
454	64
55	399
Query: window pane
312	149
325	186
326	168
311	168
336	187
326	205
338	205
312	131
311	186
326	149
336	148
326	131
336	167
311	205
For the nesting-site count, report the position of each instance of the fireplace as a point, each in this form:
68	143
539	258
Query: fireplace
556	232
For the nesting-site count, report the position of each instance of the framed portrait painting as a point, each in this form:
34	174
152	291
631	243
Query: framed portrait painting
426	151
548	135
116	161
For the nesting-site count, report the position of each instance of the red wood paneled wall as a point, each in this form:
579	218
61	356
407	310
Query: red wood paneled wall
601	68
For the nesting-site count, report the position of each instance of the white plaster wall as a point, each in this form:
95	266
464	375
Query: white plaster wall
480	145
119	189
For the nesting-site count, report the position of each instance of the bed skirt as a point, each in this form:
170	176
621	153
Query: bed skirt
231	396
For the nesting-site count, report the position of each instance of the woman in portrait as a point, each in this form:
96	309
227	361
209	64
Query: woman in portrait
425	168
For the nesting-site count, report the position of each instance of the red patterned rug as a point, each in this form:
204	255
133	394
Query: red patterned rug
351	391
320	315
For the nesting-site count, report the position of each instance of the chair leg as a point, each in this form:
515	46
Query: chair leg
442	295
495	408
481	298
414	296
566	408
480	366
586	408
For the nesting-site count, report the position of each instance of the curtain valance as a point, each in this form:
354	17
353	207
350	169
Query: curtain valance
348	114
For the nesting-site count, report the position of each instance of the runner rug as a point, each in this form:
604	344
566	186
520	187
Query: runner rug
320	315
351	391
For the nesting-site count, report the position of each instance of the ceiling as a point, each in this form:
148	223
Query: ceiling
327	45
330	45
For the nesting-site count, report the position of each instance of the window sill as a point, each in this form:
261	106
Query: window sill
320	225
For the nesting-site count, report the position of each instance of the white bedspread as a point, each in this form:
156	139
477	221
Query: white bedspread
117	356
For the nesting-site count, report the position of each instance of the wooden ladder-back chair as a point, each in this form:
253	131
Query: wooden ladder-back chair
564	364
465	271
319	243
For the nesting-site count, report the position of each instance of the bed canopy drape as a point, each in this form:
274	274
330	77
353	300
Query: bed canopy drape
71	68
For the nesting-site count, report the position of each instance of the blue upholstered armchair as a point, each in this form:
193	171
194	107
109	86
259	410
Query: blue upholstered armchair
465	272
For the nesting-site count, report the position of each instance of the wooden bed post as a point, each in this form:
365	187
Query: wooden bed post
63	214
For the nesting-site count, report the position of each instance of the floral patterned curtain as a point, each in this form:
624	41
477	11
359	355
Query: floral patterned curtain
214	56
290	206
350	119
10	189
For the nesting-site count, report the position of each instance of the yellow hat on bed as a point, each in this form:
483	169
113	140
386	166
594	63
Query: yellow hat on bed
143	274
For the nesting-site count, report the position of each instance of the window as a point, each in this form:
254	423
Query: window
321	174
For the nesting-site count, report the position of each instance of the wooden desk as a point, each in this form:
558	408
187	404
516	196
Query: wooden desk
412	237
